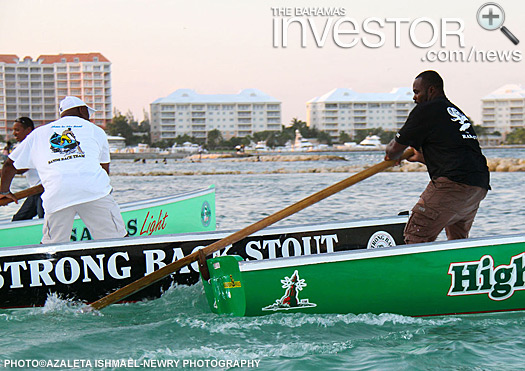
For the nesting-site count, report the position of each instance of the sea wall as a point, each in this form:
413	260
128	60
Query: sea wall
495	165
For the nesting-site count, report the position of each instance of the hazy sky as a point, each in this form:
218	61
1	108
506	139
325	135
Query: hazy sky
213	46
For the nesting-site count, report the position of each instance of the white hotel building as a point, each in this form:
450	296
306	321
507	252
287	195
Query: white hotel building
235	115
346	110
503	110
34	88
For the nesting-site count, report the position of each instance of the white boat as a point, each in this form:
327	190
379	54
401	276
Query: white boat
261	146
371	142
301	144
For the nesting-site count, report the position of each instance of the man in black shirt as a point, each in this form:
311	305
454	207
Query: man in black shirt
444	140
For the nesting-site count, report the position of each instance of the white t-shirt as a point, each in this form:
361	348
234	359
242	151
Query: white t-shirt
32	177
67	154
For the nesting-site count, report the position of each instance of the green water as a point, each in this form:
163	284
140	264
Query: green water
179	327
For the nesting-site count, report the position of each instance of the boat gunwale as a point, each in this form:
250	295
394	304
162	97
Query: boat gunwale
6	223
361	254
190	236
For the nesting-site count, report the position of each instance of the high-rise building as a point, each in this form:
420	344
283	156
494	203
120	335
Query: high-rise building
234	115
503	110
344	110
34	88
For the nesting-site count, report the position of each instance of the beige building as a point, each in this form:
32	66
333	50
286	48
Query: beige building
503	110
346	110
234	115
34	88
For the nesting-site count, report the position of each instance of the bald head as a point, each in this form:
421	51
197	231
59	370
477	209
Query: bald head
427	86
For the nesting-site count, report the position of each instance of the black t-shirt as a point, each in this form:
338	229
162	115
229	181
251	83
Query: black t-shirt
447	139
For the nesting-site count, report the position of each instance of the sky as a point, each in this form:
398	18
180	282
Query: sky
222	47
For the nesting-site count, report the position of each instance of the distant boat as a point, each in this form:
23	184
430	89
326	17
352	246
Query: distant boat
372	142
301	144
261	146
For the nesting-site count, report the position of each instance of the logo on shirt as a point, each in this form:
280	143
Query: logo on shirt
459	117
65	143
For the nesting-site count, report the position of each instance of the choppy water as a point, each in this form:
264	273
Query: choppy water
179	326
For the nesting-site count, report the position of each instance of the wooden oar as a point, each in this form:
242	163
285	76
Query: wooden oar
243	233
23	194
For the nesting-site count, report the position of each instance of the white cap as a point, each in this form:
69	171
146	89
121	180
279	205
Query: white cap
72	102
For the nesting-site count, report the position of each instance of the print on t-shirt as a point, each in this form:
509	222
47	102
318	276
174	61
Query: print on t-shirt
458	116
65	143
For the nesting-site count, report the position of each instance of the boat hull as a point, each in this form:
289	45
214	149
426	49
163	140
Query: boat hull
189	212
89	270
459	277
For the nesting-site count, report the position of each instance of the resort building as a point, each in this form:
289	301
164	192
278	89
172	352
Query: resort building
344	110
503	110
34	88
234	115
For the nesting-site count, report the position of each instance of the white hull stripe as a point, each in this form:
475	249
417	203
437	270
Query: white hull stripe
255	265
183	237
124	207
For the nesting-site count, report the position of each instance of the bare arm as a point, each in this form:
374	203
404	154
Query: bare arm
105	167
394	150
8	173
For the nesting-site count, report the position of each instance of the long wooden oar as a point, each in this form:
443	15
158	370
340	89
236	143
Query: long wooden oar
243	233
23	194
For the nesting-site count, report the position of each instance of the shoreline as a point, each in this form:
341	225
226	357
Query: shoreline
247	154
494	164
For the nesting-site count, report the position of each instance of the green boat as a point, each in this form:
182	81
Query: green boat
432	279
188	212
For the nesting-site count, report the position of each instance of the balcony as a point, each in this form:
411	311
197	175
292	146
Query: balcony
199	134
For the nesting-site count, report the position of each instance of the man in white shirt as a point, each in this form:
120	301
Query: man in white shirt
71	156
32	206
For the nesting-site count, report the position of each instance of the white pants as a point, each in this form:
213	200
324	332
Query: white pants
102	218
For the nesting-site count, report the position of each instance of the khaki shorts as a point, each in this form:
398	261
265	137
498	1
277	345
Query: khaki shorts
444	204
102	217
